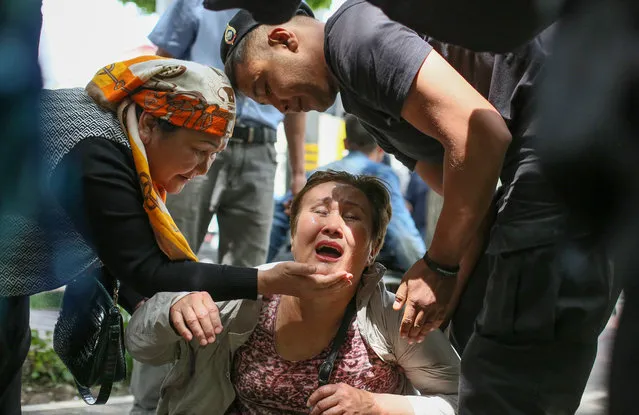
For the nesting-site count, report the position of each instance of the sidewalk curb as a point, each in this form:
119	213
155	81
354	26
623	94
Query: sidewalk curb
55	406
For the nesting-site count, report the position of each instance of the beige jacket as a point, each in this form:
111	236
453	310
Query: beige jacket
199	382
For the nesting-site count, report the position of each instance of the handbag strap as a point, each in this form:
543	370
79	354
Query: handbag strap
110	365
326	368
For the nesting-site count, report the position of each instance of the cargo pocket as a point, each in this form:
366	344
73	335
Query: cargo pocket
496	316
521	296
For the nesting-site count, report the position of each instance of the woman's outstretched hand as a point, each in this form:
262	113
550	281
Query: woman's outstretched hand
196	315
342	399
301	280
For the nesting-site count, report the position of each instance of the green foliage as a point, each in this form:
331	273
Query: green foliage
319	4
43	366
49	300
129	360
147	5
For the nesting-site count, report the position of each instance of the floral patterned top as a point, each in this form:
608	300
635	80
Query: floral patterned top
265	383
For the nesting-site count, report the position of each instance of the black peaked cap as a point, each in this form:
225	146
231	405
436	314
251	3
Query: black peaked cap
242	23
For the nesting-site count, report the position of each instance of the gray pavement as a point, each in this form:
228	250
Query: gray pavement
116	405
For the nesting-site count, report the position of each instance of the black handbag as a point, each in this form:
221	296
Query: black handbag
89	335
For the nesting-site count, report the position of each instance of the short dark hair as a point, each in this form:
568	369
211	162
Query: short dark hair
164	125
239	54
247	46
371	186
357	135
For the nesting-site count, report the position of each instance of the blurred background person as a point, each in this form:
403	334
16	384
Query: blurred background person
416	195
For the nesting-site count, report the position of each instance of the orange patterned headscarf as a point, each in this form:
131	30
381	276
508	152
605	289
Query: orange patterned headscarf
185	94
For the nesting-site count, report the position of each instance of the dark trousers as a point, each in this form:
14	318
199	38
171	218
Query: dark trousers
624	381
535	340
15	339
462	324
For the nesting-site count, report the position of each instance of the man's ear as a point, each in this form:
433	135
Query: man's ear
346	144
281	36
146	125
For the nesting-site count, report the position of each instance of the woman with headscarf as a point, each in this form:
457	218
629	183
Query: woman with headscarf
140	129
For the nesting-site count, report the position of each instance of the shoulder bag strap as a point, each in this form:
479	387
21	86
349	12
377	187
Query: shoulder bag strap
326	368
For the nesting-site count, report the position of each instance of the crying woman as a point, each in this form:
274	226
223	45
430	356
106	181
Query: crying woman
339	352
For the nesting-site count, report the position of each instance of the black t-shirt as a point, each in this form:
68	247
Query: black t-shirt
96	184
375	61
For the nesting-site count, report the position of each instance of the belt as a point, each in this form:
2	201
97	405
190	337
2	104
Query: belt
253	135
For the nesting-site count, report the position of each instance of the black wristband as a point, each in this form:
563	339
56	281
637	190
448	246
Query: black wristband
441	270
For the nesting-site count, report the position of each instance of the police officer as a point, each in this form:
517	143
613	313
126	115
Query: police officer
461	120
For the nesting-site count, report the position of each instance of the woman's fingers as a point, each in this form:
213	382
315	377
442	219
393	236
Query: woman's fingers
179	324
193	323
298	268
214	313
202	313
300	280
323	399
341	278
196	315
208	317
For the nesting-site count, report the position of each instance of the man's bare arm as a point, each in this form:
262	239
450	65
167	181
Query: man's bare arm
432	175
475	139
441	104
295	129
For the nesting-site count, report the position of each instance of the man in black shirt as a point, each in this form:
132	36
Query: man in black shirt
542	311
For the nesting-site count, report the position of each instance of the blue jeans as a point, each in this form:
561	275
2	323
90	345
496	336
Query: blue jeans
279	229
